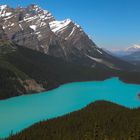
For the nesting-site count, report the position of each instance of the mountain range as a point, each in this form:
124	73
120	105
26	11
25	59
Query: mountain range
38	53
37	29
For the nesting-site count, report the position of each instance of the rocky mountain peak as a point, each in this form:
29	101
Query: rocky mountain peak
36	10
5	11
3	7
37	29
64	28
133	48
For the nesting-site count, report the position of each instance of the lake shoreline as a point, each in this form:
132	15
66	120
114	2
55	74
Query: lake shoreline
65	99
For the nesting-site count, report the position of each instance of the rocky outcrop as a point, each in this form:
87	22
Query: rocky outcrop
31	85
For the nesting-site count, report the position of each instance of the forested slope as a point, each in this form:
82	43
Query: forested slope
98	121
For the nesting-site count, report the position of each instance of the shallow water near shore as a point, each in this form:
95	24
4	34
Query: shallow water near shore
21	112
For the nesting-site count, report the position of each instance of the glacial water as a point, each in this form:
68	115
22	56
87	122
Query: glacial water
23	111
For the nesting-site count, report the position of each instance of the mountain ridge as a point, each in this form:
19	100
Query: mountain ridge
37	29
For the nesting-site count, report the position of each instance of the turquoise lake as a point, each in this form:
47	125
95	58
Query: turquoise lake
21	112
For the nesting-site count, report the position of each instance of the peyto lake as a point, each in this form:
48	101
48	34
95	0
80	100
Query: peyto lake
20	112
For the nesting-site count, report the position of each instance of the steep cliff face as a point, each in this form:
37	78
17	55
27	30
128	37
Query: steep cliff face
72	33
79	45
30	27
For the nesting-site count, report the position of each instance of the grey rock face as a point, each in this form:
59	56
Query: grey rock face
34	28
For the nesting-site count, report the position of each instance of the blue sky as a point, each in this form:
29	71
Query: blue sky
112	24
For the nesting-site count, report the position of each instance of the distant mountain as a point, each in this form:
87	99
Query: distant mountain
128	51
134	48
37	29
131	54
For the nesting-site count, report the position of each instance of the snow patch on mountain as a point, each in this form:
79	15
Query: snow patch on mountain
20	26
134	48
68	27
71	33
58	26
3	12
102	61
2	7
127	51
99	51
33	27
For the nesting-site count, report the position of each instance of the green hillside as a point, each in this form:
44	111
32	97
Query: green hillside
98	121
47	71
